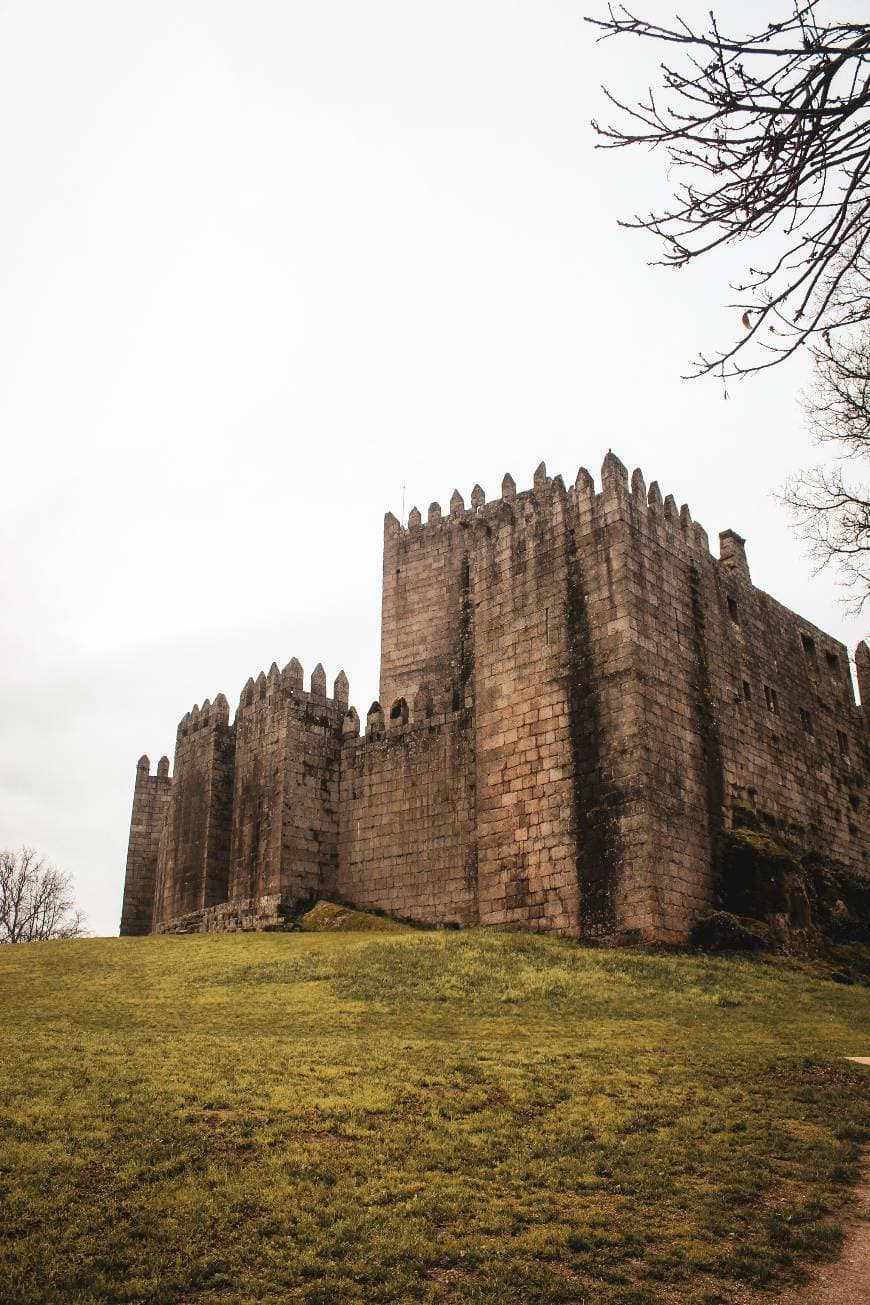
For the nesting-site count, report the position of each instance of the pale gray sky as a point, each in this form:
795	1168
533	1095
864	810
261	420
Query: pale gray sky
262	263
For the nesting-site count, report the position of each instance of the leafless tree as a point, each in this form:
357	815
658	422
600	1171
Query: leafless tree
36	899
766	135
831	504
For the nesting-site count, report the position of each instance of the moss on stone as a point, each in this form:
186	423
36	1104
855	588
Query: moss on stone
841	899
806	901
759	877
329	916
720	931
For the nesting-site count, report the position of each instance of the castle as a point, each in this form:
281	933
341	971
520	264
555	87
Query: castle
575	696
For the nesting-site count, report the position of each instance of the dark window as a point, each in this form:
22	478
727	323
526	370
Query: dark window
843	741
806	721
732	610
809	647
771	699
747	691
833	662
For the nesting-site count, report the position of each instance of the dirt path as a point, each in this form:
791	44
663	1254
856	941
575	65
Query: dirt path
846	1281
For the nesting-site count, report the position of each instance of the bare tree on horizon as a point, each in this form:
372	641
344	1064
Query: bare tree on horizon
36	899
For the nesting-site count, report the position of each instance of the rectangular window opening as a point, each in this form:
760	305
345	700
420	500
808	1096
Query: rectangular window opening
809	647
747	691
732	610
770	697
806	721
833	663
843	741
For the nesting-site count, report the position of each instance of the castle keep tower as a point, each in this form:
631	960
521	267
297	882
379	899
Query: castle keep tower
574	698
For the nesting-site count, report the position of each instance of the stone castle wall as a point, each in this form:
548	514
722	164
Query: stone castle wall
150	802
519	652
407	840
193	865
285	794
575	697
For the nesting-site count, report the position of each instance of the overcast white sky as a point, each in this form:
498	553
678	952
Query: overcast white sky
261	264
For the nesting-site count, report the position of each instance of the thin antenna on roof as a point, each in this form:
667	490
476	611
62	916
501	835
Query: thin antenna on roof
402	517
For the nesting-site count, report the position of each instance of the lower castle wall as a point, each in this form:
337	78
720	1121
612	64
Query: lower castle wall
406	842
311	802
802	766
250	913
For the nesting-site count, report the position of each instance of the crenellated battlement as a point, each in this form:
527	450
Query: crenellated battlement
549	494
286	686
210	716
402	722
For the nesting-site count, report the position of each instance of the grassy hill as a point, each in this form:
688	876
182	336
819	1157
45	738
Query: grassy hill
406	1117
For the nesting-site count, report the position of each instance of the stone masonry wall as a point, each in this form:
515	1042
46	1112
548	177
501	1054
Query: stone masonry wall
150	801
534	587
794	742
740	703
616	871
285	795
262	914
424	575
407	818
669	579
526	820
193	866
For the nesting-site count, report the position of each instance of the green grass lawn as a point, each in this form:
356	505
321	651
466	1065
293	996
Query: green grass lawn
470	1116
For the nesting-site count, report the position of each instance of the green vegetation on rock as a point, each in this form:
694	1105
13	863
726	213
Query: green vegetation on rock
768	895
424	1116
759	877
327	916
720	931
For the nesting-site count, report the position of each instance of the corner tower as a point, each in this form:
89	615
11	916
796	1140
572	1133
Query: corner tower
150	804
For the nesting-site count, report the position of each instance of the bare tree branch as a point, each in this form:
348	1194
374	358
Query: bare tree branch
770	133
36	900
831	505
